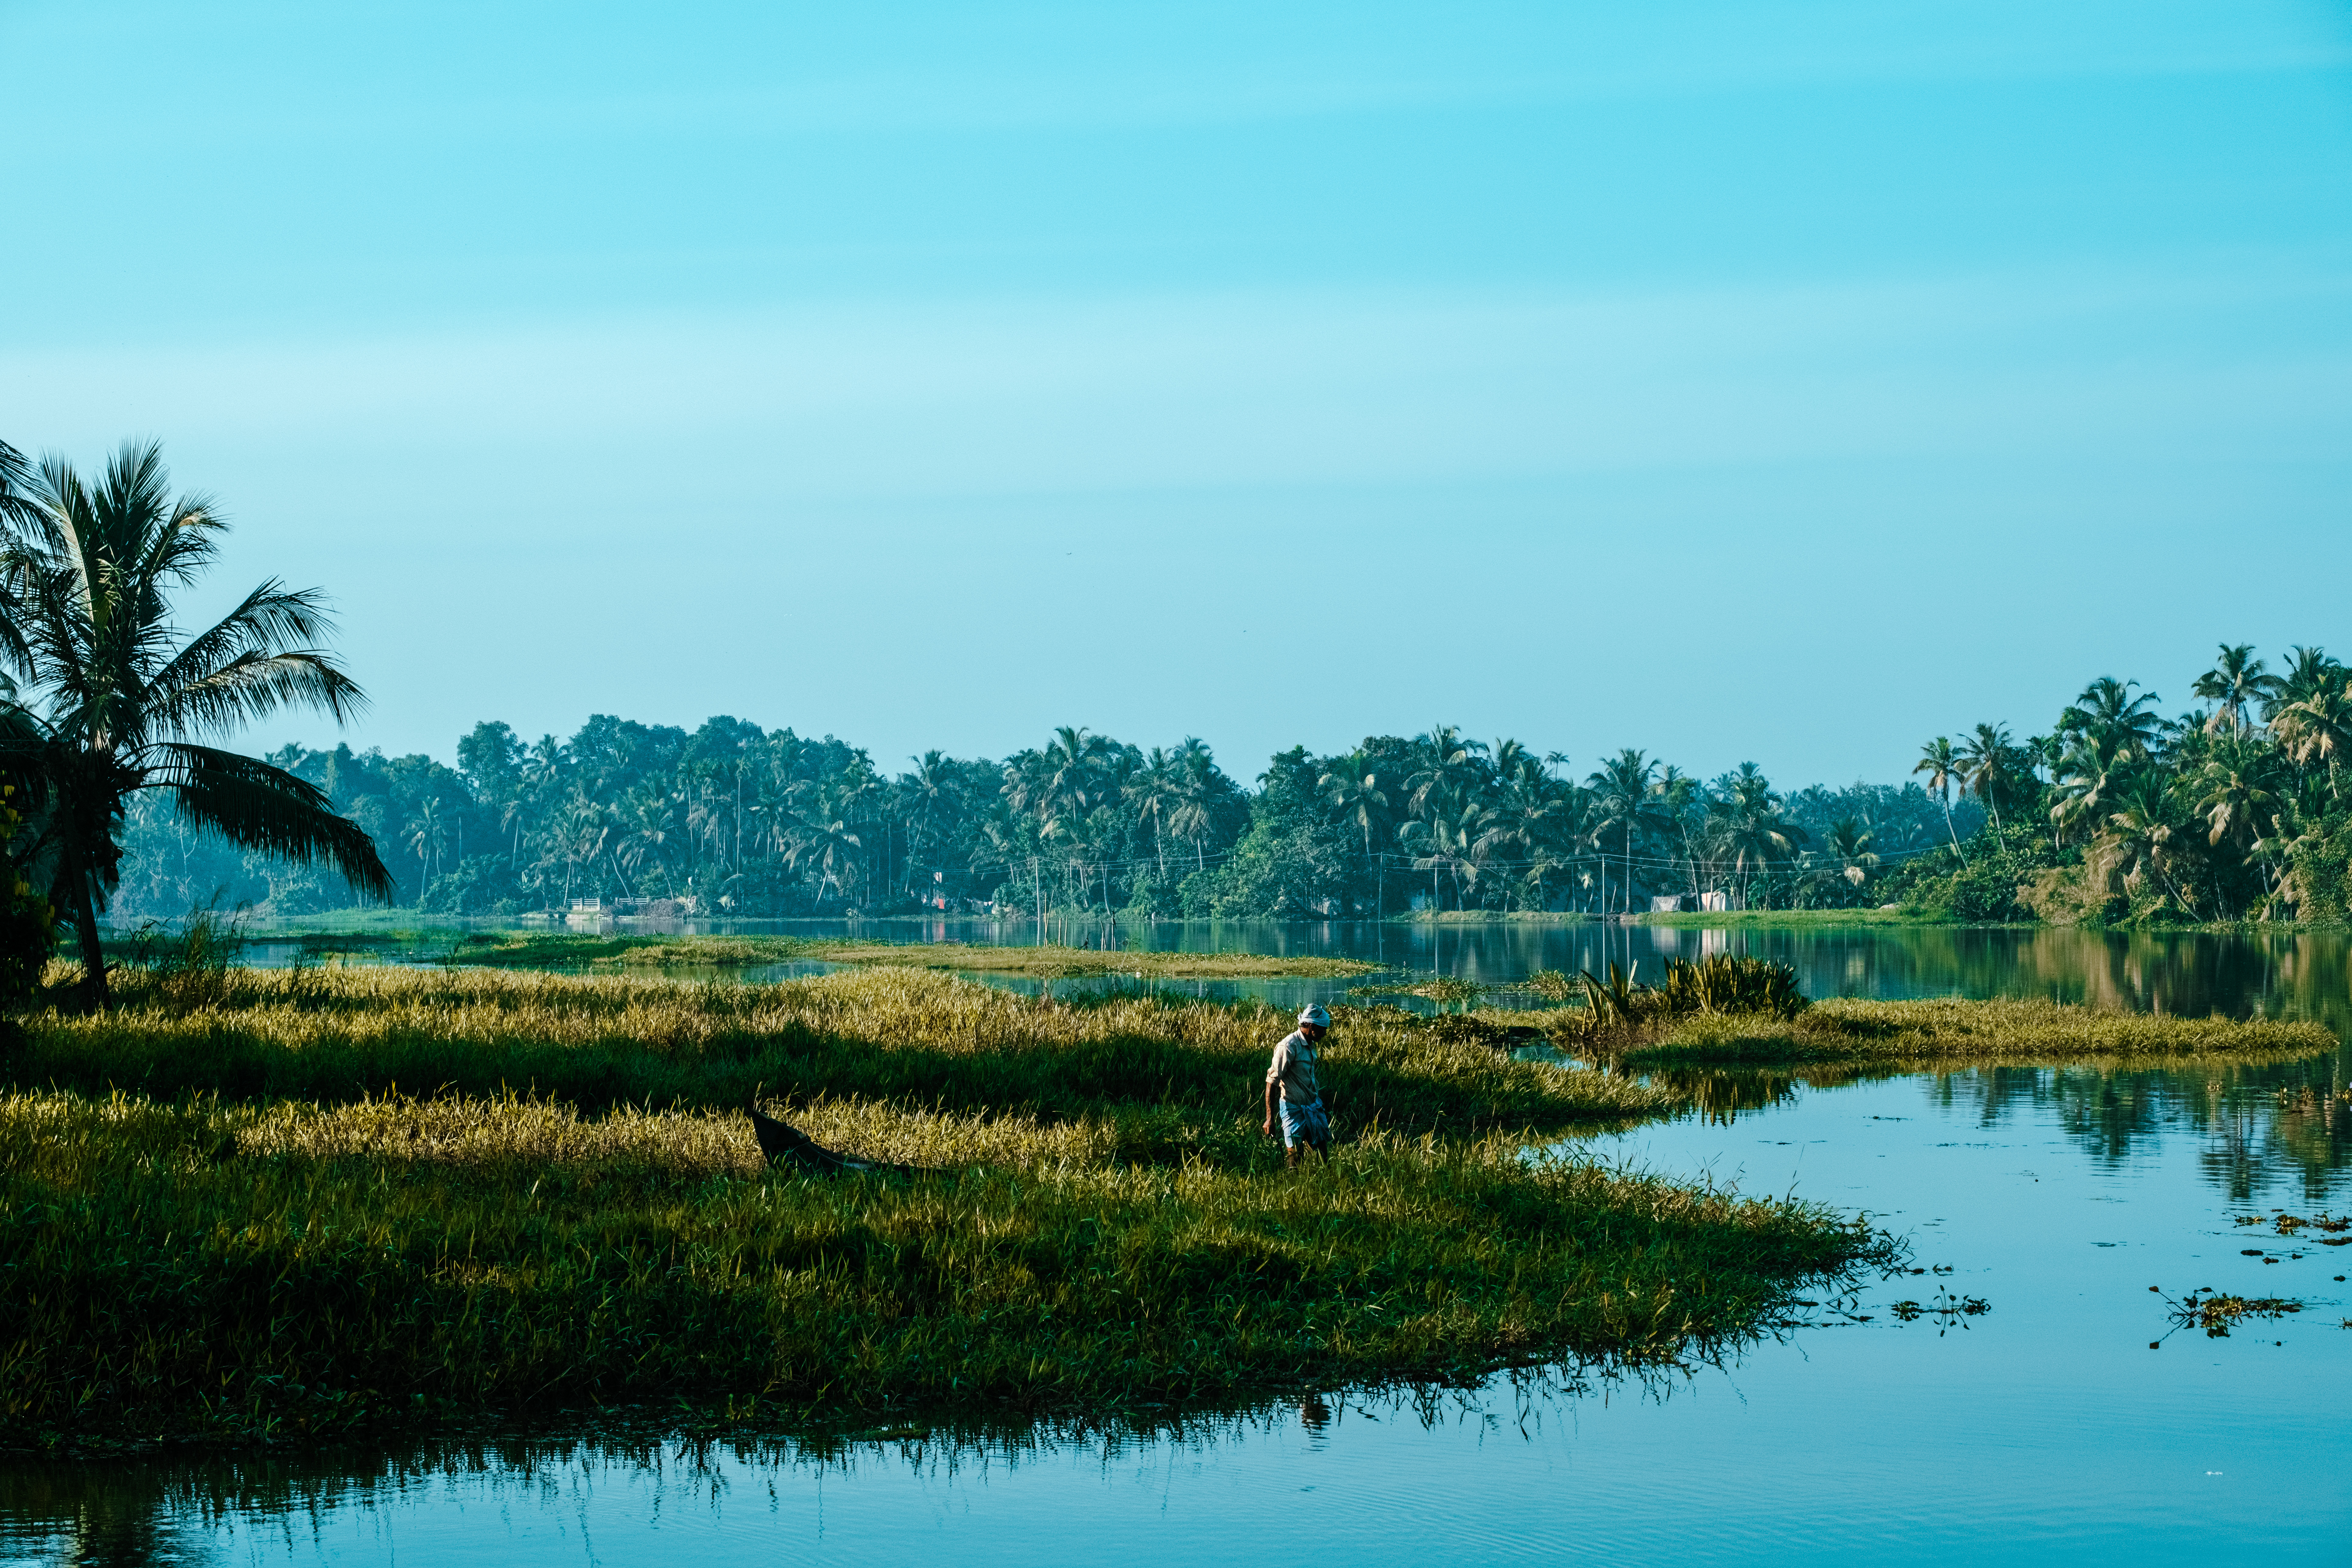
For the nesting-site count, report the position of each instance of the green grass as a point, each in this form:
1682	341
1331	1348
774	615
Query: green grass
1954	1031
911	1036
234	1272
258	1203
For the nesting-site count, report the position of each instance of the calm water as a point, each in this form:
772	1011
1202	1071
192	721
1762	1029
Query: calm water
2038	1430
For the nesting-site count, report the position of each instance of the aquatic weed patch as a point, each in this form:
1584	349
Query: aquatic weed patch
238	1270
2217	1313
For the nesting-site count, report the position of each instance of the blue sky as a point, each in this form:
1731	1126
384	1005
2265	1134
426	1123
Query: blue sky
1784	381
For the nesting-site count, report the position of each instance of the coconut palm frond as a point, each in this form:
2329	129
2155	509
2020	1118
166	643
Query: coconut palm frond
257	807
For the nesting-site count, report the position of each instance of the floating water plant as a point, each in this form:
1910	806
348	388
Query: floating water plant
2217	1313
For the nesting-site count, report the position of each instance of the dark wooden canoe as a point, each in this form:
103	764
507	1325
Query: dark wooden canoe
785	1144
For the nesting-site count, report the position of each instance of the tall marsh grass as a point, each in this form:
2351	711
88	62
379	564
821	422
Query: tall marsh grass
235	1270
910	1037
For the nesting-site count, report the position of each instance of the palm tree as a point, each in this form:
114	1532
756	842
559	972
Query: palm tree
647	821
2318	727
428	835
2139	837
2117	724
825	844
2235	683
1452	842
1850	840
1157	788
2233	797
1449	770
1353	791
1941	763
580	834
1192	819
2309	670
110	703
1746	822
1620	792
1984	767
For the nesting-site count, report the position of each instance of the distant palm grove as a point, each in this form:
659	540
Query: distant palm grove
2232	810
113	798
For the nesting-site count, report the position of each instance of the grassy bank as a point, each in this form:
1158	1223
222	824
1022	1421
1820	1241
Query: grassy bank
230	1272
223	1219
1952	1031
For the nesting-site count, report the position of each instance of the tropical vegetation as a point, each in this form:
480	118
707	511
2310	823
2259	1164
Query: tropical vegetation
104	703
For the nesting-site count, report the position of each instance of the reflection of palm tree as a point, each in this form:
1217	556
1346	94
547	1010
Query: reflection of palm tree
1941	763
2235	683
86	578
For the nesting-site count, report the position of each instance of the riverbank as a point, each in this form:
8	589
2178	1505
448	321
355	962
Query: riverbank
1948	1031
229	1215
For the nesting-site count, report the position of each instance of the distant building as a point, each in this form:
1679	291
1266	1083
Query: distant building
1721	902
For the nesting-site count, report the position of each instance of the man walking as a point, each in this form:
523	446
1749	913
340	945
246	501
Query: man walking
1292	1077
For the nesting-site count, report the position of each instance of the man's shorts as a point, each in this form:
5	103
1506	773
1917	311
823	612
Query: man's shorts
1305	1124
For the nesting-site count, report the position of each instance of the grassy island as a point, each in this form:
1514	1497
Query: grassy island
256	1203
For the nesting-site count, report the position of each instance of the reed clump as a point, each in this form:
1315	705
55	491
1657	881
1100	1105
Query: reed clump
234	1270
1957	1031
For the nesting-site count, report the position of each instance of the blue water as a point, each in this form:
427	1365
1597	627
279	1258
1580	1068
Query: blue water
2042	1430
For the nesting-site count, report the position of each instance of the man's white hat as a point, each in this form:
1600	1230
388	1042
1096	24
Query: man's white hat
1313	1014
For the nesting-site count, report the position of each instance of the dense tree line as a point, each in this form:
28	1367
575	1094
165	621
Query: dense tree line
2232	810
732	819
112	791
2235	809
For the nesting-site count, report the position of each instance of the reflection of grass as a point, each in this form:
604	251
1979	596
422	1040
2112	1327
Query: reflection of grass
297	1245
1075	961
1785	919
1950	1030
518	950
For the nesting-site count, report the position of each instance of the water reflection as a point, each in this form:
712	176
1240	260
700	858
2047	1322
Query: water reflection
2296	975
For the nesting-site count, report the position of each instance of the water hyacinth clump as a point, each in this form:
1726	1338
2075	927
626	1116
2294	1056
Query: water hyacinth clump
301	1202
